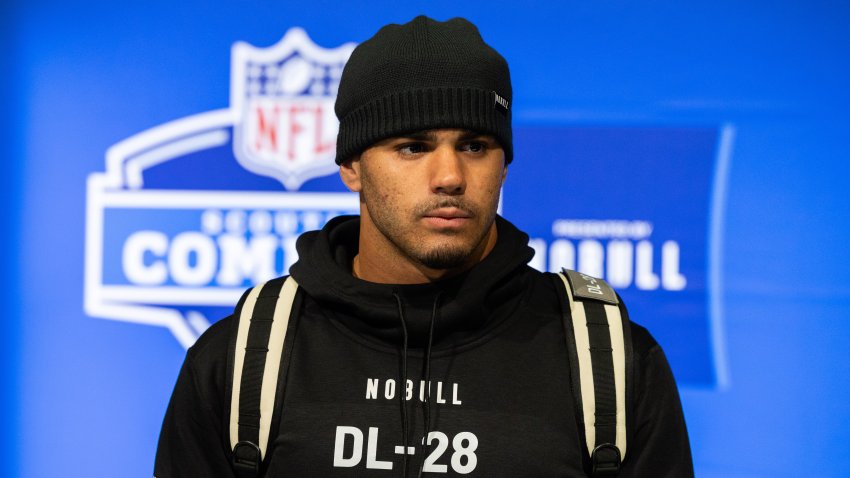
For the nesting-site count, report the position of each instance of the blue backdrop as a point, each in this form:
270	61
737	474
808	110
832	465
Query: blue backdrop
695	153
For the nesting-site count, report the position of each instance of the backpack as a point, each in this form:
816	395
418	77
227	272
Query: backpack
598	340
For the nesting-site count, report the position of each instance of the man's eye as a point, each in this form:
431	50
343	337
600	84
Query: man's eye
475	146
411	148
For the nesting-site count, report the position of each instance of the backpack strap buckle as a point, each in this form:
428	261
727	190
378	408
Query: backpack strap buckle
605	460
246	459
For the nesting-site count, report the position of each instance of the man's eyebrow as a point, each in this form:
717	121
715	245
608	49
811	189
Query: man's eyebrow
469	134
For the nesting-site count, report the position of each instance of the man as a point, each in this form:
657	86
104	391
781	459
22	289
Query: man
420	318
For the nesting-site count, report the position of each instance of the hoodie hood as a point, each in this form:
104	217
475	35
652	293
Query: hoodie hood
466	301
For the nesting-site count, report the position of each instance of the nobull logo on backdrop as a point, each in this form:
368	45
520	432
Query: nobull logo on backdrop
190	213
625	253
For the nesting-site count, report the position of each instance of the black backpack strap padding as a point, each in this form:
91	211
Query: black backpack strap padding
605	392
605	457
601	360
630	371
256	350
261	331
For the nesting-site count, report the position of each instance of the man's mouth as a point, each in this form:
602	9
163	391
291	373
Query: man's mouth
447	217
448	213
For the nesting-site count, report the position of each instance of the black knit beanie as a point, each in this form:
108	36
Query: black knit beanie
423	75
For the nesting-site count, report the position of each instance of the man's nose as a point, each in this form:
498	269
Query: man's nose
447	171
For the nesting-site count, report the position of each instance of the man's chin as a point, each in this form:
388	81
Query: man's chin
445	259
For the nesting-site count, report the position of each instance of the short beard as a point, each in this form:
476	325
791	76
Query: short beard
447	256
444	258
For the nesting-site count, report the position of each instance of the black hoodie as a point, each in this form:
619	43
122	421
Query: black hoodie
490	340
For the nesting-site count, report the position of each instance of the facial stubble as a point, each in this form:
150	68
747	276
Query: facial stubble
398	227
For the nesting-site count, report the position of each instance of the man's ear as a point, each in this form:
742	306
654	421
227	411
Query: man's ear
349	171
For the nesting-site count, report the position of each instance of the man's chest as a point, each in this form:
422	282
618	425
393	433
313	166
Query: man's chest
502	408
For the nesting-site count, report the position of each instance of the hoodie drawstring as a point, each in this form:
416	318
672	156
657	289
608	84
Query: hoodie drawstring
427	409
402	392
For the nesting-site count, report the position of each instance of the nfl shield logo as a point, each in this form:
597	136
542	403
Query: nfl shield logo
176	230
282	98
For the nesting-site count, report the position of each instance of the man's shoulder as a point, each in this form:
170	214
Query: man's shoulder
213	344
643	343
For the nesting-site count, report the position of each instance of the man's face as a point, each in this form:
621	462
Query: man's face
429	198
